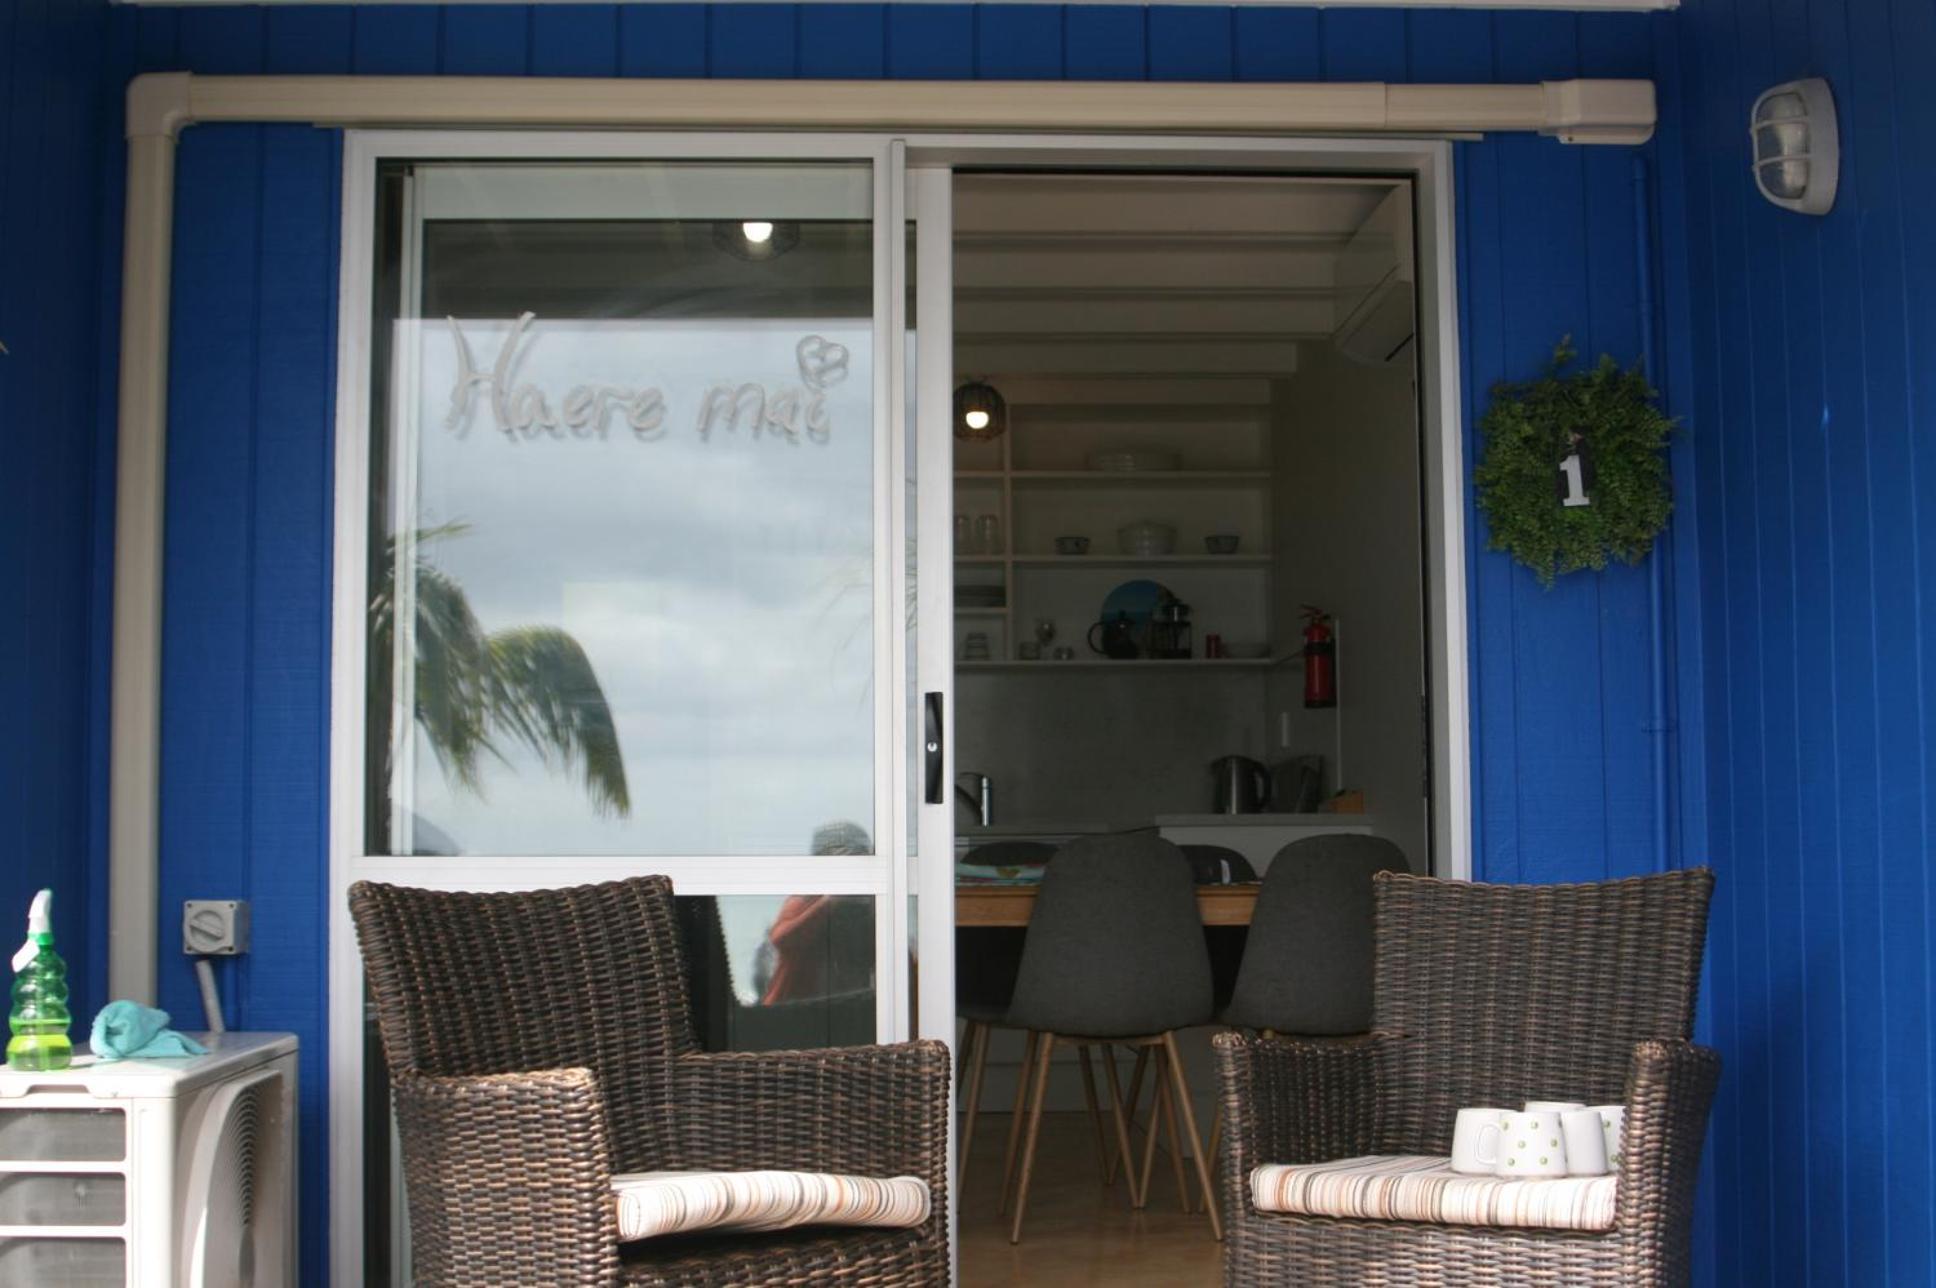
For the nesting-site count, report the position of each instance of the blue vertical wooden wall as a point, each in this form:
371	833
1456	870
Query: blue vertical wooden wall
53	101
1815	344
1547	246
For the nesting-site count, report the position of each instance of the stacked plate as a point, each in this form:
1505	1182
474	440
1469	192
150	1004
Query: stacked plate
1146	537
1133	460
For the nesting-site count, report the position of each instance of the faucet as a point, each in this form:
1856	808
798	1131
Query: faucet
982	799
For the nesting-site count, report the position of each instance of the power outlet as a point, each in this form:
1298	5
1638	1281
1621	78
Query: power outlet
215	927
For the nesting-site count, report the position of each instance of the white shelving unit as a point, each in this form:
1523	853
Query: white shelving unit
1035	479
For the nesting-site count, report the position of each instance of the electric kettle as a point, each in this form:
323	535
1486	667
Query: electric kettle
1242	785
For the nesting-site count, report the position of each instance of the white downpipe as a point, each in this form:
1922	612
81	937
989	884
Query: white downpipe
161	104
155	114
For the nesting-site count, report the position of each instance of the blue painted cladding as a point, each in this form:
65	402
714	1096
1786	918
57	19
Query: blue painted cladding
1546	246
53	104
1815	350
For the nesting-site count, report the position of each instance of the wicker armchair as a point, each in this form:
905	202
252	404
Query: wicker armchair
541	1042
1487	995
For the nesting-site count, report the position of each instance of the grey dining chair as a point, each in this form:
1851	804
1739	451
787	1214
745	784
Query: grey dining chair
1307	963
1218	865
1115	956
984	986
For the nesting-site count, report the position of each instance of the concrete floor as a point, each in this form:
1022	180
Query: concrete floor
1077	1232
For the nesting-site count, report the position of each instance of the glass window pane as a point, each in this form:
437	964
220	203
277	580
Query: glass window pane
780	972
622	556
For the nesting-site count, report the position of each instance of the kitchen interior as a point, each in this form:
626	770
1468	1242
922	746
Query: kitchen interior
1209	427
1188	546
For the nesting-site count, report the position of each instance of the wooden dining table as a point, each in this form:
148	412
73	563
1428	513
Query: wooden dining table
990	903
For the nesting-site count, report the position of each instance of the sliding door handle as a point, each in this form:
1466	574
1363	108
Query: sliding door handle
931	747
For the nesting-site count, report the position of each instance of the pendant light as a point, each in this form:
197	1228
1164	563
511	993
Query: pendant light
981	413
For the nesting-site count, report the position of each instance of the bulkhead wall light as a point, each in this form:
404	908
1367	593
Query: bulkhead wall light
1797	152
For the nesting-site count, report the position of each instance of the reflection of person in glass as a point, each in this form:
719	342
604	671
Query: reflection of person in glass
819	944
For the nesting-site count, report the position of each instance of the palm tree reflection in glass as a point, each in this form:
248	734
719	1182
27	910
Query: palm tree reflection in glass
475	688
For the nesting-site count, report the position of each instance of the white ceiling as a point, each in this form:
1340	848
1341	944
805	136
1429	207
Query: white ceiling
1148	274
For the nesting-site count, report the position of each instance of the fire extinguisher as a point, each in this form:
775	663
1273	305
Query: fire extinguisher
1320	659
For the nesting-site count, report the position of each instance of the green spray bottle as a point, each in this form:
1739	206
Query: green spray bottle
39	1018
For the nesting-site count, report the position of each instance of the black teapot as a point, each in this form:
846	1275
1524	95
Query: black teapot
1118	638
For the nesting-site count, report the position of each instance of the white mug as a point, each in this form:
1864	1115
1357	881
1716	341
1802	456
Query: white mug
1552	1106
1586	1142
1613	1120
1475	1141
1531	1144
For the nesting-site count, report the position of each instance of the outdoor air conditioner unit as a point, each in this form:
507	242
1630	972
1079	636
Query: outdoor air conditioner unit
152	1173
1375	314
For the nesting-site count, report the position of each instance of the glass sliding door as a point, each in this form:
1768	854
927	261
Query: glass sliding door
629	543
622	556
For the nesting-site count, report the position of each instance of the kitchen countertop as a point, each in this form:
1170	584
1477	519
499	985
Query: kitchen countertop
1045	827
1263	820
1059	828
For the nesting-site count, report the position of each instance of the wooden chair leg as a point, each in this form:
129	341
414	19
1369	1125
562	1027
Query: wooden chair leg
1123	1154
1015	1115
1095	1114
977	1057
1196	1141
961	1056
1034	1128
1135	1093
1157	1105
1216	1130
1175	1142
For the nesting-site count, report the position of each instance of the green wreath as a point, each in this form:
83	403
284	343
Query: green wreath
1618	488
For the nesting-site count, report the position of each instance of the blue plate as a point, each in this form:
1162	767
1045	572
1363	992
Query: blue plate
1137	600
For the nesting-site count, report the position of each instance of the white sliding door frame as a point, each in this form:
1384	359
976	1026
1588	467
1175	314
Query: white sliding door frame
882	876
926	198
1427	165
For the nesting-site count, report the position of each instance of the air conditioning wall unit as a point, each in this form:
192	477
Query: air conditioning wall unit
152	1173
1376	310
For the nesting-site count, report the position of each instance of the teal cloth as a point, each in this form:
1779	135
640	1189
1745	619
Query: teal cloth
131	1031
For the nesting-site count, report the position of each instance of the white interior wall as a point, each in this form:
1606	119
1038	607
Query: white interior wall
1100	750
1348	532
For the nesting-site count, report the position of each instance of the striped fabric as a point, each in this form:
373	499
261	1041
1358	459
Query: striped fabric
656	1203
1413	1187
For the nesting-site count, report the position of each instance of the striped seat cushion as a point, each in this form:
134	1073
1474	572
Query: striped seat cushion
1413	1187
656	1203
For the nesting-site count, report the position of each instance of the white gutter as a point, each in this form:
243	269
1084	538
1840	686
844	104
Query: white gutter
160	105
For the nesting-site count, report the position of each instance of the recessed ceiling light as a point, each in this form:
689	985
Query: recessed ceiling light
756	239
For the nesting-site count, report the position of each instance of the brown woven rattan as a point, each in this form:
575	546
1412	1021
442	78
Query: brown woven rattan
540	1042
1487	995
